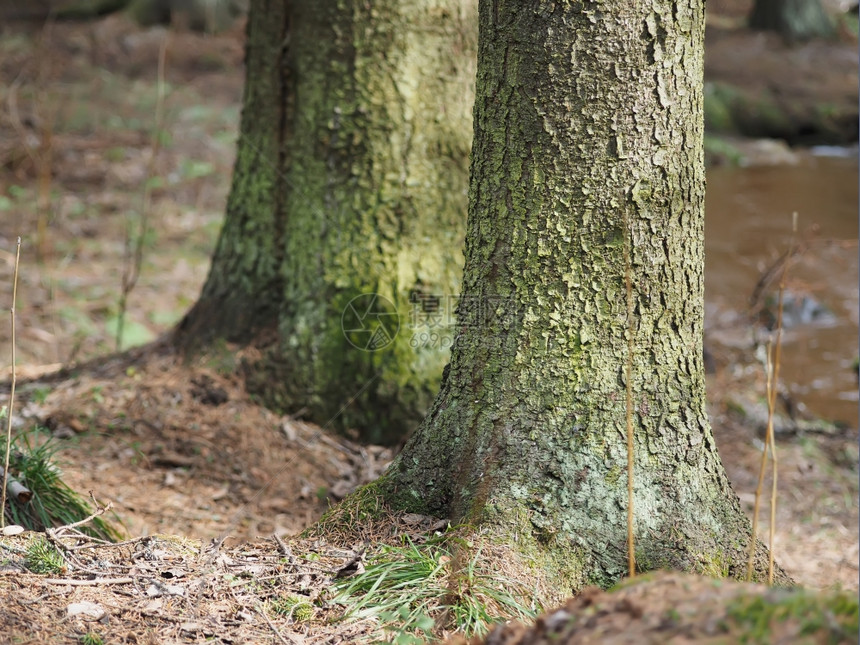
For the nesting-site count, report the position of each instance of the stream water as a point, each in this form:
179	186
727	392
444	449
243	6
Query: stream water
748	225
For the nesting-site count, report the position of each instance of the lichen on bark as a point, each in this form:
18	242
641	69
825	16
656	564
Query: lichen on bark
352	179
588	137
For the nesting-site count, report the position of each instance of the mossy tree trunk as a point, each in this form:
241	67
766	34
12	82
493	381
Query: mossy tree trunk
242	293
588	138
348	205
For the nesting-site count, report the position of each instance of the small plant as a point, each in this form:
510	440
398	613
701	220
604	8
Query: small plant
32	462
421	626
411	589
40	394
772	364
293	606
92	638
42	557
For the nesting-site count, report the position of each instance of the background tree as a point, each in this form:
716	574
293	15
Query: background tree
350	179
587	170
795	20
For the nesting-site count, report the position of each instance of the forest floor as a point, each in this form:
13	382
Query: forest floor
180	449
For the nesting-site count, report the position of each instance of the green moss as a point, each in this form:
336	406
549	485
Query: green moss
731	110
558	565
644	562
372	503
625	583
613	475
363	505
832	617
299	608
714	564
763	117
721	151
221	357
718	113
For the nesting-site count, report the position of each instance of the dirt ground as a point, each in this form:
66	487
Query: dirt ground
181	449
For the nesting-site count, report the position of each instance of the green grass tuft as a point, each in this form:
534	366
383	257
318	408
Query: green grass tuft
411	590
33	463
43	557
296	607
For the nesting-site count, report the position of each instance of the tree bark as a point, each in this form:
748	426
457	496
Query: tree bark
349	197
588	138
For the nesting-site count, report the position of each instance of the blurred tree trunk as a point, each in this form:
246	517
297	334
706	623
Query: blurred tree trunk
795	20
588	140
243	291
350	182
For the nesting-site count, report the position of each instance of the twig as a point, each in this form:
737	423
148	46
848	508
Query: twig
283	547
757	297
87	583
281	638
631	550
134	247
100	510
16	489
54	536
772	370
771	404
100	544
12	390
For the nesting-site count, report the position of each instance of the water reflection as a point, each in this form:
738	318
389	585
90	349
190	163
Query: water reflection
748	227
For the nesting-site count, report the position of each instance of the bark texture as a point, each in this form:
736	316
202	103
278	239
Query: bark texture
588	137
351	183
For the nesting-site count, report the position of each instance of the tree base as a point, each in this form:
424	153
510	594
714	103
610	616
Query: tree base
503	539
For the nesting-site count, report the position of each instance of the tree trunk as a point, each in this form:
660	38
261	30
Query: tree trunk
588	140
244	287
794	20
349	205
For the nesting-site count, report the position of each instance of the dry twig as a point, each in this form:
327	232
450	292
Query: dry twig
98	582
134	246
772	369
628	280
12	390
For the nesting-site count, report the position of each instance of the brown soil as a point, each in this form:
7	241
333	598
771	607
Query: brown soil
181	449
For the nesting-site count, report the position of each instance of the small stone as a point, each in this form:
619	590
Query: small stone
89	609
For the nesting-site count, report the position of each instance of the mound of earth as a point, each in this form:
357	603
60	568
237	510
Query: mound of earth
676	608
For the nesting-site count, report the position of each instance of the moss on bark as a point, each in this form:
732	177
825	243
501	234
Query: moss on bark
351	179
588	137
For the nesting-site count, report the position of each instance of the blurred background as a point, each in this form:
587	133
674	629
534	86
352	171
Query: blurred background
118	121
96	156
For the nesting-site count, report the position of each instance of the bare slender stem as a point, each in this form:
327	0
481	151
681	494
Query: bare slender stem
761	471
12	390
774	355
771	403
631	550
134	246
